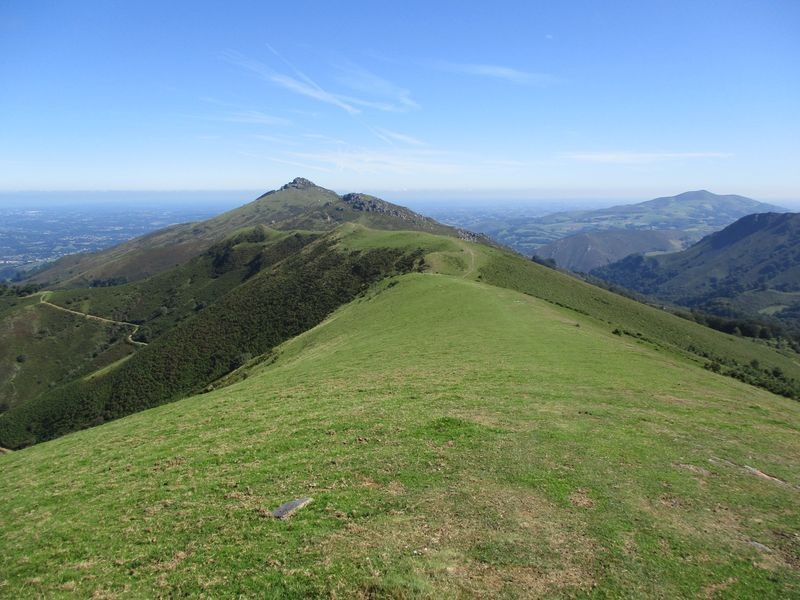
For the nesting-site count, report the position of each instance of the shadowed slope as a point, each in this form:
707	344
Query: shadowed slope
586	251
750	266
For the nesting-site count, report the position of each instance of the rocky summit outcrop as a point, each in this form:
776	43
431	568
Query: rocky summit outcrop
367	203
471	236
299	183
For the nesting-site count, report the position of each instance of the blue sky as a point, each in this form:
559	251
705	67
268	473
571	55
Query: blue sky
531	99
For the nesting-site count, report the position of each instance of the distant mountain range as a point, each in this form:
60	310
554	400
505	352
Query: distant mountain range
690	211
659	225
750	267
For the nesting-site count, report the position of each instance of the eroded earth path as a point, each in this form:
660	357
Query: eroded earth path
43	296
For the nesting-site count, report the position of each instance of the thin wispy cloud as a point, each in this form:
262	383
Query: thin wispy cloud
299	84
393	97
247	117
312	90
509	74
394	136
277	139
632	158
384	95
325	139
236	113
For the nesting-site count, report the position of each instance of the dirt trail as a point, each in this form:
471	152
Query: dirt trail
43	300
473	260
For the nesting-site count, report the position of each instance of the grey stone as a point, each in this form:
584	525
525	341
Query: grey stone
286	510
759	546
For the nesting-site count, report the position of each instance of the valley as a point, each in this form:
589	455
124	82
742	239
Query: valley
749	269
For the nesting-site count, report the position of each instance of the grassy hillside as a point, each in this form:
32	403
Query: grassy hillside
733	355
726	353
458	439
298	205
159	285
159	281
194	348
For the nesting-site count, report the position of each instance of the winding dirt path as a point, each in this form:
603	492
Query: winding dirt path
473	260
43	300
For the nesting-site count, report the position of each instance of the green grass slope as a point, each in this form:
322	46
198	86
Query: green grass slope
190	349
458	439
751	360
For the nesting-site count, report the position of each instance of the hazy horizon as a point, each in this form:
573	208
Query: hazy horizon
415	199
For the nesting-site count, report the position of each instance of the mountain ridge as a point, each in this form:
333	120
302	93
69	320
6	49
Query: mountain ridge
697	199
297	205
690	214
665	224
170	309
739	269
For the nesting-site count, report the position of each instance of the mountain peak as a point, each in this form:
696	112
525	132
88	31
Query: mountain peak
299	183
696	194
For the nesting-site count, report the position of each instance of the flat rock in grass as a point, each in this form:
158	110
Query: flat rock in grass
759	546
284	511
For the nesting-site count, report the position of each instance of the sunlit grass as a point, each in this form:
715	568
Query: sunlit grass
458	440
